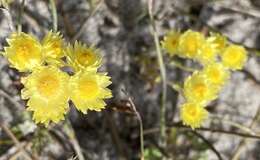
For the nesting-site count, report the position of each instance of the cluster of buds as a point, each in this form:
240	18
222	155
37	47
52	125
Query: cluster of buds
48	86
217	57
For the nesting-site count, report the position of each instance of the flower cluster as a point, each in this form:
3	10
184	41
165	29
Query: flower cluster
47	86
217	57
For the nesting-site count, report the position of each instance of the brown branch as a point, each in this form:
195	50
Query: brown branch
141	127
238	150
209	144
140	123
220	130
15	140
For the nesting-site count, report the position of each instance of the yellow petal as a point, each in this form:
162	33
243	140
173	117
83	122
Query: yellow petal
193	115
88	90
24	52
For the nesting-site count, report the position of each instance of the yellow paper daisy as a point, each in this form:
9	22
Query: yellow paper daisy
198	90
234	57
82	57
216	74
193	115
53	47
89	89
190	43
220	41
47	91
170	42
207	53
24	52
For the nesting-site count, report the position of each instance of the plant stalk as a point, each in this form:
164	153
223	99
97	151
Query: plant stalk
163	76
54	15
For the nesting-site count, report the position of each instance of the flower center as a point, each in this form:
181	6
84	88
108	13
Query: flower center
200	90
208	52
88	89
193	112
215	75
23	51
174	42
191	46
56	46
48	85
85	58
233	56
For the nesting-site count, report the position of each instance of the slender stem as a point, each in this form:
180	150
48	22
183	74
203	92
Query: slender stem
234	124
6	11
140	123
73	140
176	86
141	127
85	23
163	75
54	15
211	146
243	142
19	21
15	140
204	129
181	66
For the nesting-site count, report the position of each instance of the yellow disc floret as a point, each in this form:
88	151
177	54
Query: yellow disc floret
216	74
24	52
170	42
53	47
89	89
190	43
47	91
207	53
220	41
193	115
82	57
234	57
198	90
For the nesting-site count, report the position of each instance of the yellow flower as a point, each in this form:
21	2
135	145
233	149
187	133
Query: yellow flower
53	47
24	52
190	43
234	57
216	74
207	53
47	91
81	57
193	115
220	41
198	90
89	89
170	42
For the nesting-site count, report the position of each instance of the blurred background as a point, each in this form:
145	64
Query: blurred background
121	29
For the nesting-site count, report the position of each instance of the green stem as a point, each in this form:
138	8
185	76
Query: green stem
163	75
181	66
54	15
19	21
